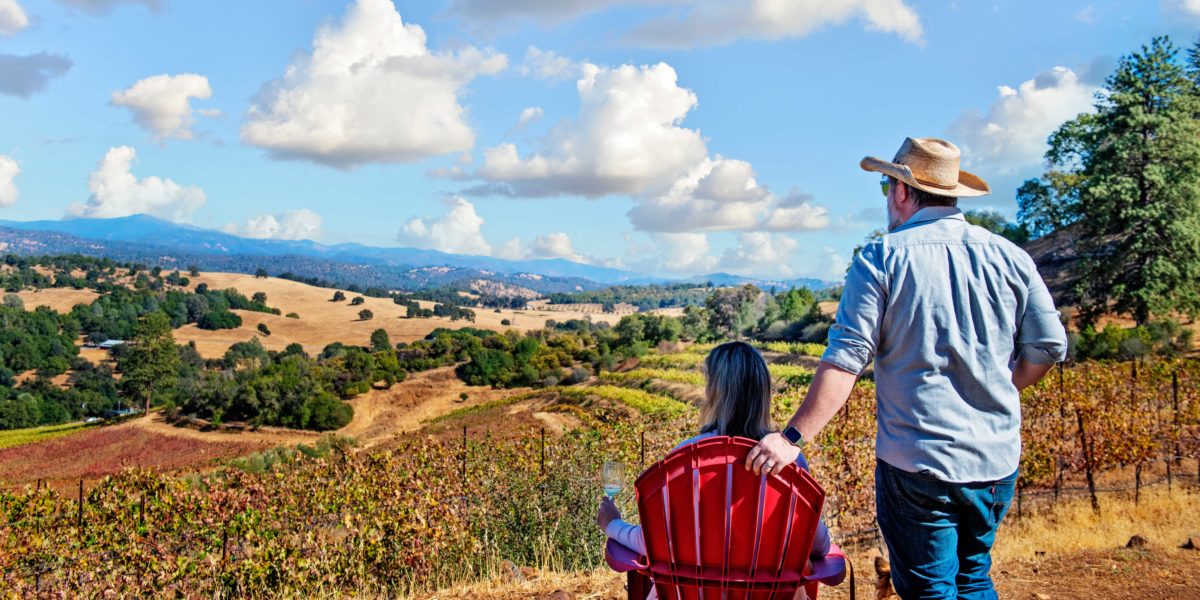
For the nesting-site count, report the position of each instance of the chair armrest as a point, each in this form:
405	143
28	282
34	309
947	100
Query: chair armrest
830	570
622	559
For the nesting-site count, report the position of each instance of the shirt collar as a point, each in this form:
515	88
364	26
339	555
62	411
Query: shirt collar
933	213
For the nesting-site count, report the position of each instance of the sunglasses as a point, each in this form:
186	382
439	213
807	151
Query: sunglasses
886	184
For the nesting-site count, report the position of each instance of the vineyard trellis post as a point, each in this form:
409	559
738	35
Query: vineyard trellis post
1087	459
1175	409
1137	484
1062	413
79	521
642	446
1020	500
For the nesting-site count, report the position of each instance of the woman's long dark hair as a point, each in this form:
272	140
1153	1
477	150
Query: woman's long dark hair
737	394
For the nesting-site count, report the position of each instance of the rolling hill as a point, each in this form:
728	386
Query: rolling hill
150	240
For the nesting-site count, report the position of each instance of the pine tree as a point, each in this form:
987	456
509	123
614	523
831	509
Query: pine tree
151	365
1139	192
1127	179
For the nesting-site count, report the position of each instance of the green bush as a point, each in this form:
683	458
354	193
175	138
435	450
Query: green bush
325	412
1164	338
219	319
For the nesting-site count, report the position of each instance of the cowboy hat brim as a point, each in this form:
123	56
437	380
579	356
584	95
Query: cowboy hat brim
969	184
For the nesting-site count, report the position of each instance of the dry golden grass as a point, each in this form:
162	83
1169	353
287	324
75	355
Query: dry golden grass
602	583
1165	518
322	322
57	299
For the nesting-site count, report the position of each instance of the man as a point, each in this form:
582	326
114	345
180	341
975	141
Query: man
957	320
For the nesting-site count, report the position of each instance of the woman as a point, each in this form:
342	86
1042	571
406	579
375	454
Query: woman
737	402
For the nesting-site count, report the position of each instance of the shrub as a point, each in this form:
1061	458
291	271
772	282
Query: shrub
576	375
817	332
365	314
263	329
293	315
325	412
1166	337
219	319
357	301
505	322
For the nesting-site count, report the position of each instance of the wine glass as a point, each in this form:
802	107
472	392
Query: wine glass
612	477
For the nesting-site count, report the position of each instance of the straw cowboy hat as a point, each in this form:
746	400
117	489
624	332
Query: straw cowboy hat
931	165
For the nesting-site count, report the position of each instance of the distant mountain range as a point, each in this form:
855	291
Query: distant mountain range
142	238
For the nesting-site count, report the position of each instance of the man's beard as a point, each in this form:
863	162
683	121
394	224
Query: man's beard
894	221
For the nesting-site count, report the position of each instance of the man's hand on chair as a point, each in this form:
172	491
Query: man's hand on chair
771	455
607	513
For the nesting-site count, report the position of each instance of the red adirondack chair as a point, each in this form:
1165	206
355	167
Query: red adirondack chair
715	530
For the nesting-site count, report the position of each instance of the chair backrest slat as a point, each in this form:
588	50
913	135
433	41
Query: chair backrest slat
715	530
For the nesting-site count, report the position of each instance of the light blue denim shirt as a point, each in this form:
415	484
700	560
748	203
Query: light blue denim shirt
945	308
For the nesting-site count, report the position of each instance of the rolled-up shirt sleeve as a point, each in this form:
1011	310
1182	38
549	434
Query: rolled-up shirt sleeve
1041	337
855	333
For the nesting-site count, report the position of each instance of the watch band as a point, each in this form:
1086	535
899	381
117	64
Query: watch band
793	435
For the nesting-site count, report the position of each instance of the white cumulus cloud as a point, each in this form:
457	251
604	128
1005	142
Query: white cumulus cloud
1192	7
162	103
834	267
117	192
9	169
684	253
796	212
298	224
722	194
459	230
1012	134
626	140
547	64
530	115
369	92
551	245
718	194
12	18
760	253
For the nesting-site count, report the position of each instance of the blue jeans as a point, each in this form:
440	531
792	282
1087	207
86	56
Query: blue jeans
939	534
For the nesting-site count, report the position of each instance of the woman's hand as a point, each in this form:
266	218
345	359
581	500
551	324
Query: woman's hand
608	511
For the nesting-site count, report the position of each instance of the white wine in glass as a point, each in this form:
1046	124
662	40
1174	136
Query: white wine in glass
612	477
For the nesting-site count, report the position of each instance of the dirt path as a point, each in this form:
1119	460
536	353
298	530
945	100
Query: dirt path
557	423
275	436
381	415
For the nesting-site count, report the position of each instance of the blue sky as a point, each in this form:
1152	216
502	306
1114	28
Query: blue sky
672	137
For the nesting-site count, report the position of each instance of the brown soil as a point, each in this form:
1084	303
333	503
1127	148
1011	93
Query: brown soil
1154	572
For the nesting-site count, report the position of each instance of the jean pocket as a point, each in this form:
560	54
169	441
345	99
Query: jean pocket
918	497
1002	497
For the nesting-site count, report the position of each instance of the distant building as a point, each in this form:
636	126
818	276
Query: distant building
106	344
118	413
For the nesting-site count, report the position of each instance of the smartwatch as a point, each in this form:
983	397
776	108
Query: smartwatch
794	436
